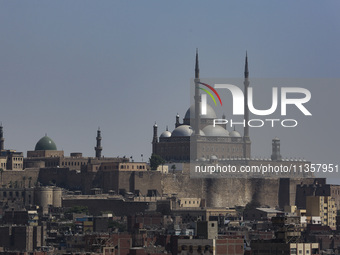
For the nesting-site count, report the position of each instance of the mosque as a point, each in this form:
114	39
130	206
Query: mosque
200	140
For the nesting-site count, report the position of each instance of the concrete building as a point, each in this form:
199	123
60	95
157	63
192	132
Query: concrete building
324	207
318	188
224	245
206	229
265	247
261	214
21	238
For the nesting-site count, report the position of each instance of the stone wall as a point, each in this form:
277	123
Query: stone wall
20	178
232	192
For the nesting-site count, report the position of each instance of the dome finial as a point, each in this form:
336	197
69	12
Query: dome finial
167	128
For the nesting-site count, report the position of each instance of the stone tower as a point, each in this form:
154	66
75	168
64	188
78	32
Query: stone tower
2	139
276	155
98	148
155	138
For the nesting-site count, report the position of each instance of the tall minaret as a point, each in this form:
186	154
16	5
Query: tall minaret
246	144
155	138
197	96
2	139
98	148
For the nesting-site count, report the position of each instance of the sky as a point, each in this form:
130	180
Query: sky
69	67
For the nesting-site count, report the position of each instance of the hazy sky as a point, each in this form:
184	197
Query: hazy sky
67	67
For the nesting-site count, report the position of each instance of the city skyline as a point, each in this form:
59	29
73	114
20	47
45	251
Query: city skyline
68	68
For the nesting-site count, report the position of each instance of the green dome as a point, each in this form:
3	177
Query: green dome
45	144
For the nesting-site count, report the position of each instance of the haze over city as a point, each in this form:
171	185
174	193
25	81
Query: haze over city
69	67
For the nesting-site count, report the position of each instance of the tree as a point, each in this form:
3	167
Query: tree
156	161
173	168
78	209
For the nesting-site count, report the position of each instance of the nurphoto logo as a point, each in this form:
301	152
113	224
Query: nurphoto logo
240	101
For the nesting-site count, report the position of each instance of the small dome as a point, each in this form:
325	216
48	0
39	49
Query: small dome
166	134
45	144
213	157
234	134
210	130
210	113
183	130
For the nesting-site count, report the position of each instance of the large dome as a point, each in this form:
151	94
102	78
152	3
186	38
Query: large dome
45	144
210	113
210	130
183	130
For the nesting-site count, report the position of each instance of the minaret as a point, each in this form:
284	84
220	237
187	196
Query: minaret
246	138
154	139
2	139
177	121
197	97
276	155
98	148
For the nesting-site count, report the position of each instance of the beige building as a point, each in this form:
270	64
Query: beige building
11	160
324	207
261	247
189	202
